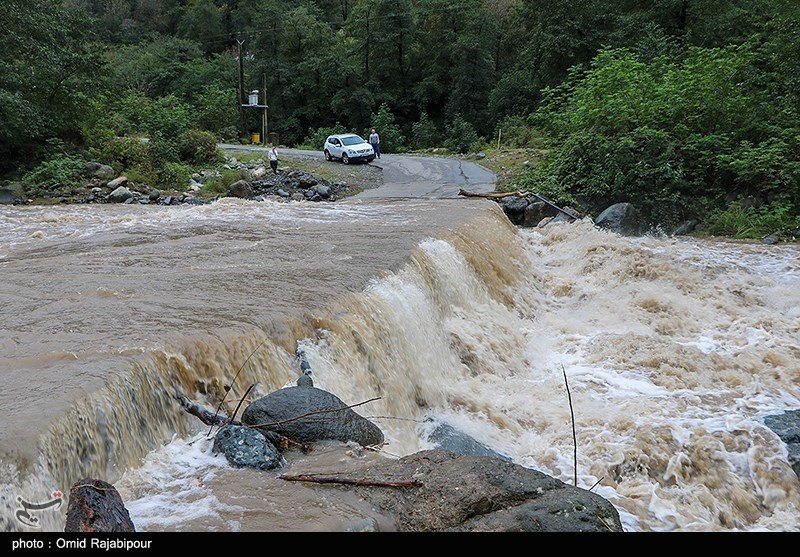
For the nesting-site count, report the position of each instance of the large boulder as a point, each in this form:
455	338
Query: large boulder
308	414
457	493
444	436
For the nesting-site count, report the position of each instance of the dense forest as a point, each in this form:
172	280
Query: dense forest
690	108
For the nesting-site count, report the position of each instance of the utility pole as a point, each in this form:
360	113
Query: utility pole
266	128
242	117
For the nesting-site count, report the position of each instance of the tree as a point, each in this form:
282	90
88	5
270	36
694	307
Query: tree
47	72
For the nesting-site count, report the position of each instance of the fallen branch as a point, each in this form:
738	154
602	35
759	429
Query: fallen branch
495	195
347	481
519	194
205	416
209	418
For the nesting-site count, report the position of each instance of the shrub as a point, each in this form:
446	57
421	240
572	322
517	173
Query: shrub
196	147
460	135
424	133
59	171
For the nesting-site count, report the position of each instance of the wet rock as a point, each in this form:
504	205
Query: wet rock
309	414
246	447
771	239
447	437
621	218
6	196
458	493
787	427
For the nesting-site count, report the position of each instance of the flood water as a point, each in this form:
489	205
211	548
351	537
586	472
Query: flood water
665	352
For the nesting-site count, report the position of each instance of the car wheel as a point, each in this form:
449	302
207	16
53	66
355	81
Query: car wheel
327	155
345	158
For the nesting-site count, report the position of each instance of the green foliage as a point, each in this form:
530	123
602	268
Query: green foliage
172	175
123	153
392	138
461	136
59	171
198	147
742	220
517	131
672	136
216	110
222	183
317	136
424	133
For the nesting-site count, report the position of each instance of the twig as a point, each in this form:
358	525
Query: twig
574	438
241	400
346	481
241	367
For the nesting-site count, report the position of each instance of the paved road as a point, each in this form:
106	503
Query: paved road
411	176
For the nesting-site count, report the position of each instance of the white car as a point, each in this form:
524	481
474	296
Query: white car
348	147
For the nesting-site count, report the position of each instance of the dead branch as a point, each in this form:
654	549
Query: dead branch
347	481
205	416
241	400
495	195
281	442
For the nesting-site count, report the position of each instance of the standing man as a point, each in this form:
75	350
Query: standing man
375	141
273	159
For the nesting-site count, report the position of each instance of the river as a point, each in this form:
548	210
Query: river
666	352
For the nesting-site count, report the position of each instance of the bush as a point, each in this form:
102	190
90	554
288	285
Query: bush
197	147
743	221
124	152
424	133
222	183
392	139
59	171
316	137
460	135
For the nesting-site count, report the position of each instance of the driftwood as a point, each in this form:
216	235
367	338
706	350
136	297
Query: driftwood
212	419
96	506
206	416
348	481
518	194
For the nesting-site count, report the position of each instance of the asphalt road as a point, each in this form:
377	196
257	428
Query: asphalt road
411	176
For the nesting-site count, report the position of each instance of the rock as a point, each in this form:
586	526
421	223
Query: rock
459	493
277	412
305	381
787	427
240	189
323	191
447	437
535	212
259	172
514	208
770	239
283	193
246	447
6	196
119	195
686	227
154	195
96	506
98	170
117	182
621	218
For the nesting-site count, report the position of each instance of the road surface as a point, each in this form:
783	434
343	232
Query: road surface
410	176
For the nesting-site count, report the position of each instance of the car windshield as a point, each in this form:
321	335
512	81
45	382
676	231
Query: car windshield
352	140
